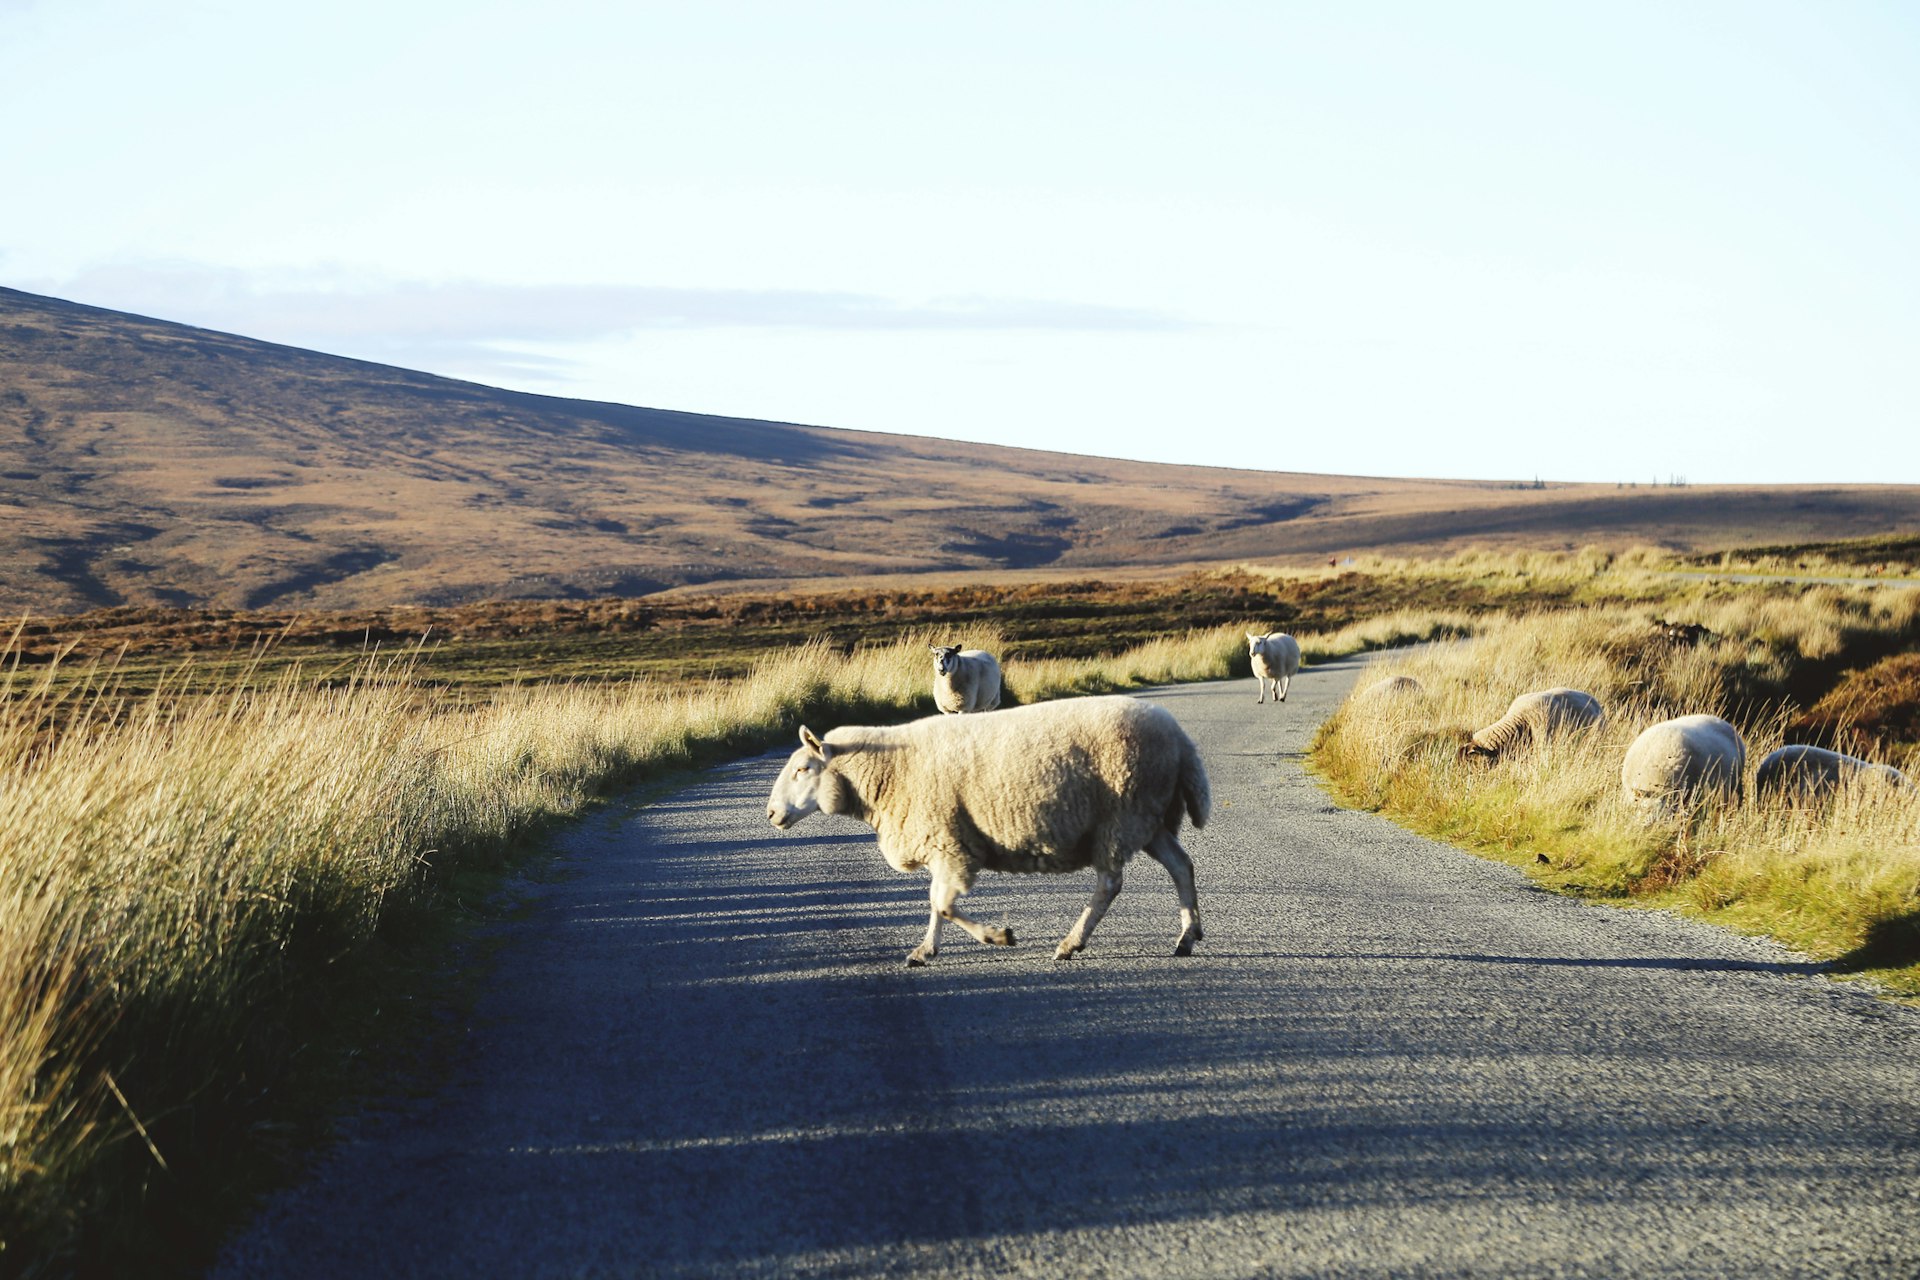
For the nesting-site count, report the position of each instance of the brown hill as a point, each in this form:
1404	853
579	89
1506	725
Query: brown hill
145	462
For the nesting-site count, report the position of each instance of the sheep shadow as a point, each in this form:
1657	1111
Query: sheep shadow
1889	944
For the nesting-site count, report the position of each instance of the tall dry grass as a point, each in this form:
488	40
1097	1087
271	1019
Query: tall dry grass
174	869
1840	879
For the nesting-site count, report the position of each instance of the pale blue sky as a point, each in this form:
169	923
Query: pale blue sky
1607	242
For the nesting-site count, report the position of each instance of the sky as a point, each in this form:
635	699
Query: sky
1608	242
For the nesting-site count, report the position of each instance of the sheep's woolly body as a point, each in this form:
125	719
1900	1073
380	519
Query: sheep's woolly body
970	683
1393	687
1276	661
1535	717
1677	761
1806	772
1054	787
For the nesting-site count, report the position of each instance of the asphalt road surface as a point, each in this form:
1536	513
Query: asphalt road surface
701	1054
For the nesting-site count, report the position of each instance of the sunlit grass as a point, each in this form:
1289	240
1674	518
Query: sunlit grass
181	858
1839	879
172	865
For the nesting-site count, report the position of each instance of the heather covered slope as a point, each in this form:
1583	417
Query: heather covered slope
146	462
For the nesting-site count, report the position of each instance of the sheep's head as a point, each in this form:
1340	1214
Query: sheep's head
1653	807
1473	753
1256	643
802	788
946	658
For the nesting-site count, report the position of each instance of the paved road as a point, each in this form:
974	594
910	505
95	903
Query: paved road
702	1055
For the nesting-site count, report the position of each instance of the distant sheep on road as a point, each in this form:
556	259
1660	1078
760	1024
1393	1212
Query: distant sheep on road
1802	773
1533	718
1276	660
964	680
1677	762
1056	786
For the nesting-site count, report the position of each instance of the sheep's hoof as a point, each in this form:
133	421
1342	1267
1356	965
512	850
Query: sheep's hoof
918	957
1184	947
1000	937
1064	952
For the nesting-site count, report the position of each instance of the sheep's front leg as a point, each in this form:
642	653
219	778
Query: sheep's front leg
942	895
1104	893
1262	682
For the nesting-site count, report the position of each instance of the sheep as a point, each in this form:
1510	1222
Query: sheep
1676	762
1053	787
1393	687
1532	718
964	680
1799	772
1276	660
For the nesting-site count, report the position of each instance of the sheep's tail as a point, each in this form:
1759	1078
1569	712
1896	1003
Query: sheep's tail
1193	785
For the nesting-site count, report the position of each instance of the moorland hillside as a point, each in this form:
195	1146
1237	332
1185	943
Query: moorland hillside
144	462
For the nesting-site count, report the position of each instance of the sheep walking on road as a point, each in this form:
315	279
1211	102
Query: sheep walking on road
1056	786
1276	660
1678	762
1803	773
1533	718
964	680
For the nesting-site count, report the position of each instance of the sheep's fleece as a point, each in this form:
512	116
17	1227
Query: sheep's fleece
1057	786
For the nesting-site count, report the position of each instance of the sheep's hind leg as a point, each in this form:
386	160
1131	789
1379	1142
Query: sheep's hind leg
1166	851
1104	893
942	896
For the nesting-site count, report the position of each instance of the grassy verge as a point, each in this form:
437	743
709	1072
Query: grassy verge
189	875
1839	880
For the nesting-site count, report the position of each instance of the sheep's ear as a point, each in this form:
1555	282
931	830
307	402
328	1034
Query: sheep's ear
812	743
1253	635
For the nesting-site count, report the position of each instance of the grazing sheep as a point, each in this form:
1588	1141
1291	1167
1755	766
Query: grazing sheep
1532	718
1393	687
1800	772
964	679
1276	660
1676	762
1055	786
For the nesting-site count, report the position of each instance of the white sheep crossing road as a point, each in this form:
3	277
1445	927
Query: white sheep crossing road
700	1054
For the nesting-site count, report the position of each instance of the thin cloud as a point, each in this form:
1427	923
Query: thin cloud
331	307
